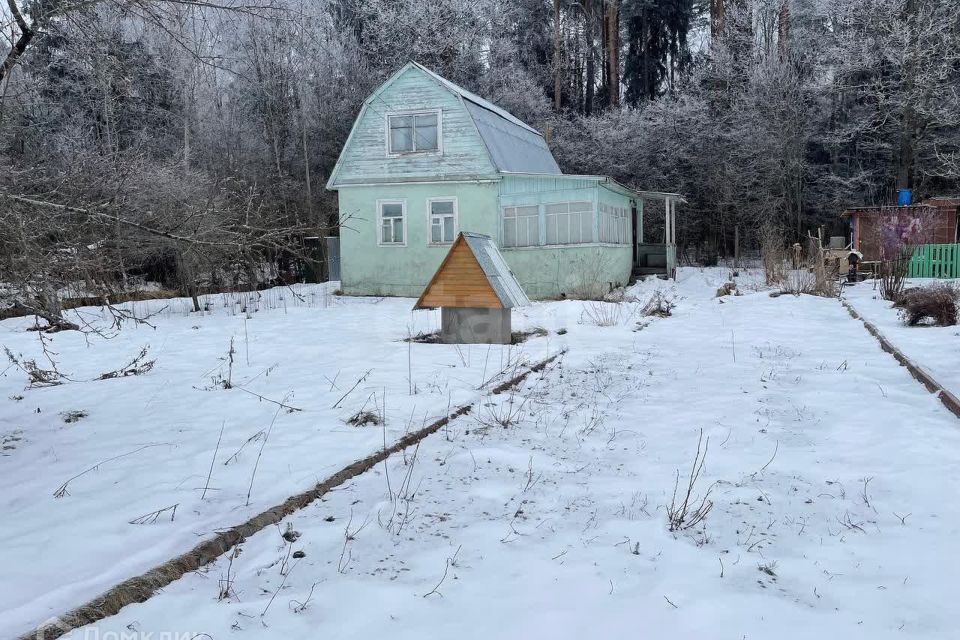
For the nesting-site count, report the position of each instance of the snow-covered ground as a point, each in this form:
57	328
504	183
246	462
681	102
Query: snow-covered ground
829	469
149	440
936	349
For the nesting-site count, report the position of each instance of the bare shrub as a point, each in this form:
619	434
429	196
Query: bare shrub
588	274
773	253
893	276
602	314
811	276
660	305
798	281
937	302
691	510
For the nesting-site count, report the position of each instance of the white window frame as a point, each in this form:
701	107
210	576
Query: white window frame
403	222
417	112
592	212
540	226
456	220
613	221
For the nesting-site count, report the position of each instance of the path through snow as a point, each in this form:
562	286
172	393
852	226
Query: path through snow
833	513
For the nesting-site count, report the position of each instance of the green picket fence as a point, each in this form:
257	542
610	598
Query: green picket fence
935	261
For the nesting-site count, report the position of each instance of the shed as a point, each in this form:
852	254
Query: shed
475	291
876	231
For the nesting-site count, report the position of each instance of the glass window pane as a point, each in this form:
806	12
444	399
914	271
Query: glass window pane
391	210
435	235
427	120
426	132
509	232
441	207
448	229
586	228
552	233
397	230
401	133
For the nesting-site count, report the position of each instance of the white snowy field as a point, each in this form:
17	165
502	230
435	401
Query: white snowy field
936	349
829	469
302	347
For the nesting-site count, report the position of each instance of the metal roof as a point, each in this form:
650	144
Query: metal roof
609	183
513	145
499	275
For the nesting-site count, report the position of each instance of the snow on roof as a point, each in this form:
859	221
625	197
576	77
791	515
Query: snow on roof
513	145
499	275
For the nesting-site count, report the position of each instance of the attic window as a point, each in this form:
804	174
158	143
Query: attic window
413	132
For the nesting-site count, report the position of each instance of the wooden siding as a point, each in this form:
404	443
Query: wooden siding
525	184
365	157
459	282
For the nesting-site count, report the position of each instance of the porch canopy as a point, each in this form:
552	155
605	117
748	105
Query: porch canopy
654	258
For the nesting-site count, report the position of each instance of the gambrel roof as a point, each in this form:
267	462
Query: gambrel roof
511	145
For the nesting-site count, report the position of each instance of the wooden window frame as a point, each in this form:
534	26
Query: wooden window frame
403	222
417	112
456	220
503	224
593	212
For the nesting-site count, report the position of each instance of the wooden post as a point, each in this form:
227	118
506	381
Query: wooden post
640	220
666	221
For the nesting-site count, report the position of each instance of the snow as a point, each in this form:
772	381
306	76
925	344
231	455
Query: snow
306	348
829	465
936	349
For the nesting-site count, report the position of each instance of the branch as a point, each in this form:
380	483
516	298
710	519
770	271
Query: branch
21	22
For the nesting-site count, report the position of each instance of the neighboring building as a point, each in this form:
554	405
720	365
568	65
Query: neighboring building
876	231
427	159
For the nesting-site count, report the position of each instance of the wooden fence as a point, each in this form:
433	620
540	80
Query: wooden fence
935	261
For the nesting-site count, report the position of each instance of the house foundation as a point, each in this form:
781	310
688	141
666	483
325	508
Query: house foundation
473	325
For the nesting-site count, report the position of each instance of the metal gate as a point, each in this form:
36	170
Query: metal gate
333	257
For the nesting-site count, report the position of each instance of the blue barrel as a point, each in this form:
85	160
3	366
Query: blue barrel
904	197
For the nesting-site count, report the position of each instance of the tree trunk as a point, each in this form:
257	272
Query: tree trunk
717	15
591	70
783	29
20	45
189	281
613	45
557	67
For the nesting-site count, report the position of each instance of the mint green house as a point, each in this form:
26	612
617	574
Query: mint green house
427	159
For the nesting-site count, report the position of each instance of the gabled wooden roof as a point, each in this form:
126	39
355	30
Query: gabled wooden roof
473	274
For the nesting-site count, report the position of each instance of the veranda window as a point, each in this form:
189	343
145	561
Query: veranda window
614	224
410	133
569	223
521	226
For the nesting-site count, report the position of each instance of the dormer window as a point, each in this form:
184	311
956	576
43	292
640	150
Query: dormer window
413	132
